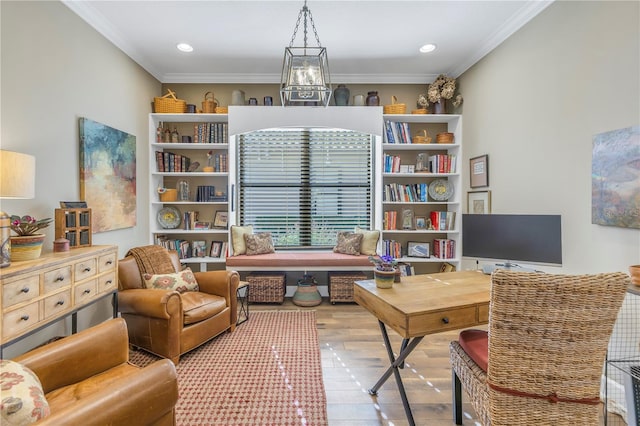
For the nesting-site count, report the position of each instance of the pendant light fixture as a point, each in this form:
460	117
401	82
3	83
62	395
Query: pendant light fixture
305	70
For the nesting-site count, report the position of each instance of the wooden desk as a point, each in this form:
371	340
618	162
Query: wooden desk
421	305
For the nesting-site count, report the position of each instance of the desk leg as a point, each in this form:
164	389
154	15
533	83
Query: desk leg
397	363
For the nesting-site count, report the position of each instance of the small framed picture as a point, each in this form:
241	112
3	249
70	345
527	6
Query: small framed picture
479	171
198	248
220	219
202	225
447	267
421	222
417	249
73	204
215	249
479	202
407	219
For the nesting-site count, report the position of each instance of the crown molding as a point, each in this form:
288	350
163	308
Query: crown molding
527	13
249	78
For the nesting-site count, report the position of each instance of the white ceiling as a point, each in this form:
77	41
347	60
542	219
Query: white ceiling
367	41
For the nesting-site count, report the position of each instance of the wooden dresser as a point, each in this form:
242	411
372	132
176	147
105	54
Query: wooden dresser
36	293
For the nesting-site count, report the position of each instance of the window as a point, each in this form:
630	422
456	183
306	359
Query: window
304	185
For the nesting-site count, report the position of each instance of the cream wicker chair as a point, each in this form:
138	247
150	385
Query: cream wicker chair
547	342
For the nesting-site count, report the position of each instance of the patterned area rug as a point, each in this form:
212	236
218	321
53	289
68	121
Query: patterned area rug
267	372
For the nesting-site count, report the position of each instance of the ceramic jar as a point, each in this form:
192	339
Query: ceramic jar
237	97
358	100
341	95
373	99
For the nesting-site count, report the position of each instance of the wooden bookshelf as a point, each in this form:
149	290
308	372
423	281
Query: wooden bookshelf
75	226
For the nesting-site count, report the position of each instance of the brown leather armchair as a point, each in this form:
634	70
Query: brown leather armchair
168	323
87	380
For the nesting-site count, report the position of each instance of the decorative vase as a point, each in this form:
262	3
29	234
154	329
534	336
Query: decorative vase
307	295
440	107
384	279
27	247
341	95
634	271
373	99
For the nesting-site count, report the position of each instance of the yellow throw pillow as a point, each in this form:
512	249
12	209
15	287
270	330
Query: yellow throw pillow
237	238
23	401
369	241
180	281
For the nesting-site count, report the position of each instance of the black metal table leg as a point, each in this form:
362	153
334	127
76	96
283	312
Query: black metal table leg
396	363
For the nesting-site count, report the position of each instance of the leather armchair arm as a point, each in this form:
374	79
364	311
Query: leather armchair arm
79	356
129	400
221	283
150	303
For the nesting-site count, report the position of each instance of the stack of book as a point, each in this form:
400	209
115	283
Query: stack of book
444	248
443	221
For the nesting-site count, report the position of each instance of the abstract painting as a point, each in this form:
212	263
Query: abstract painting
108	175
615	178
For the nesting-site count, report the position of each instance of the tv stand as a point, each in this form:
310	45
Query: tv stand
488	268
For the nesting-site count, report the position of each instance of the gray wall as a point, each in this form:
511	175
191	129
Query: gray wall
534	104
55	69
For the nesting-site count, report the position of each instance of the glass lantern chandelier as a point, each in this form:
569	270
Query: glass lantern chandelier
305	70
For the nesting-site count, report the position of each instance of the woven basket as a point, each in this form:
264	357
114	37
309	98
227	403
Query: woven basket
394	108
420	111
222	110
341	285
169	103
266	288
422	138
444	137
209	104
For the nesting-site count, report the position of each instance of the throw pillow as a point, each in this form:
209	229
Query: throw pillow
180	281
237	238
348	243
260	243
23	401
369	241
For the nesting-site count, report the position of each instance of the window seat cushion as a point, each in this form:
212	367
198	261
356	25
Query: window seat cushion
286	260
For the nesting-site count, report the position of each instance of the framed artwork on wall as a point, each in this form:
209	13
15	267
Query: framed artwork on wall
479	171
479	202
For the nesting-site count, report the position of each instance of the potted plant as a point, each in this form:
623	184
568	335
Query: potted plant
27	245
438	92
385	270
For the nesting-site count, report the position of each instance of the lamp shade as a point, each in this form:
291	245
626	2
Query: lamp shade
17	175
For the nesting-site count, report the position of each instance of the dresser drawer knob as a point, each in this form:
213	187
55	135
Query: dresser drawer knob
60	303
109	262
60	278
87	269
25	318
25	289
108	282
87	291
445	320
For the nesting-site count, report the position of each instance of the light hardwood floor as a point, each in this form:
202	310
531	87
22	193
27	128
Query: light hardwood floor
353	358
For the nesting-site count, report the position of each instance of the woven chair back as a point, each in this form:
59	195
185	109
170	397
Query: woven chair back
548	337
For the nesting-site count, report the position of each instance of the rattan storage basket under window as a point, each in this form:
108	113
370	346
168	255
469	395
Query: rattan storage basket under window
341	285
266	287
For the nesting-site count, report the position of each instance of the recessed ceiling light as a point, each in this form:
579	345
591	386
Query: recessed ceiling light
428	48
184	47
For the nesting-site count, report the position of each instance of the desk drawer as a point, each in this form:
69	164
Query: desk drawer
57	278
14	322
483	313
85	269
444	320
84	292
57	303
21	290
106	282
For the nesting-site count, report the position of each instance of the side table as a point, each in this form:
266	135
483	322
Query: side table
242	294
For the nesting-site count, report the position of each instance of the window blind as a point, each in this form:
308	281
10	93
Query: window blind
305	185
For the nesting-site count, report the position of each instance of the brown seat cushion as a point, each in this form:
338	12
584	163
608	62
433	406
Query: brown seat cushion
476	344
288	259
198	306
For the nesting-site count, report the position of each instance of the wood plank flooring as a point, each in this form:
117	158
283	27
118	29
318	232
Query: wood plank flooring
354	358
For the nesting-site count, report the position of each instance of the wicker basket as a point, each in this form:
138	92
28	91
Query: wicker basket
209	104
341	285
222	110
420	111
444	137
266	287
422	138
394	108
169	103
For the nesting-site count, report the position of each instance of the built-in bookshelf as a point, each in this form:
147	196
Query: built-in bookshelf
189	186
421	189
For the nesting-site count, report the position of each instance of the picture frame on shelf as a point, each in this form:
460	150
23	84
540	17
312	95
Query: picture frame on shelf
73	204
215	249
479	202
447	267
421	222
198	248
417	249
202	225
407	219
479	171
220	220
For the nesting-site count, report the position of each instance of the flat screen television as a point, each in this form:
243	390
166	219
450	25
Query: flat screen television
513	238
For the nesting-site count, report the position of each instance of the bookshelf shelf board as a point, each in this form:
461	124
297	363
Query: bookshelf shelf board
419	146
190	203
419	231
190	118
418	175
421	203
422	118
200	146
192	174
190	231
425	260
